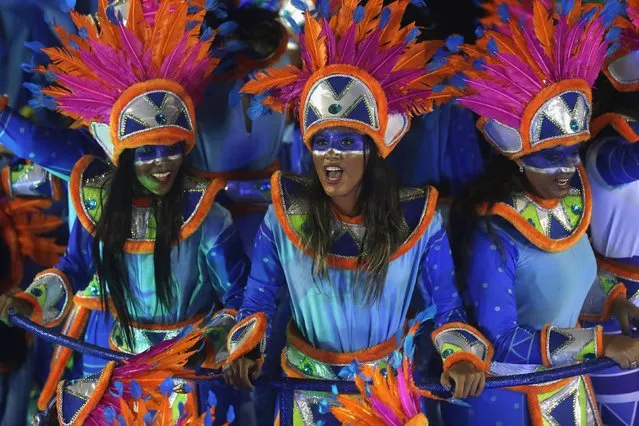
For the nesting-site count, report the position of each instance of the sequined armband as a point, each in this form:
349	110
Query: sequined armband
247	335
30	180
604	291
565	346
217	329
50	295
457	341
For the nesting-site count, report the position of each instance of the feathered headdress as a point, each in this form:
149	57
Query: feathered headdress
361	70
134	84
622	65
532	86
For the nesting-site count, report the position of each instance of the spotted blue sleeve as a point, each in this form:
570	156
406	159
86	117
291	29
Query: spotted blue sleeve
491	279
453	338
227	263
617	161
437	278
57	150
53	289
266	277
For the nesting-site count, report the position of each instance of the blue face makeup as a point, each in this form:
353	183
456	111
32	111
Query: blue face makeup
338	140
147	154
561	159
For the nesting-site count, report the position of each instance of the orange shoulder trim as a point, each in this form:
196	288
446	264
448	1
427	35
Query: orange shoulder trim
192	224
75	190
348	262
619	269
540	240
617	122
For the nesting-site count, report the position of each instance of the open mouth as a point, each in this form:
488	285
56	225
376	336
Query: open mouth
333	174
163	177
562	182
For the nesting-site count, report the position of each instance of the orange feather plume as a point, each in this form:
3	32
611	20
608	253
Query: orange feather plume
543	27
314	41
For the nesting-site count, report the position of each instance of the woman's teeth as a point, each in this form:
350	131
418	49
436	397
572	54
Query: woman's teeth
333	174
162	176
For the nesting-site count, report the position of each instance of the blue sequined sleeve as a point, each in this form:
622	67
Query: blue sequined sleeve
53	289
225	257
617	161
266	277
437	280
491	280
57	150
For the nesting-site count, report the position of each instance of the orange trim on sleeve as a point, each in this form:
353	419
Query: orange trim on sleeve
374	353
97	394
252	340
544	346
600	345
465	356
490	350
61	356
347	262
37	314
533	235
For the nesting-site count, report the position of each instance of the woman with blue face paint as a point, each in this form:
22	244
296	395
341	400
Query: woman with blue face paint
519	231
352	247
151	251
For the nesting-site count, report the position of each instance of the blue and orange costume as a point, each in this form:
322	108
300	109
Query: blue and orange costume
146	104
531	272
331	325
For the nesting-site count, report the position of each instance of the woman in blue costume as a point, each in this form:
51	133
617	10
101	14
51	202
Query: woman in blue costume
151	247
613	171
351	246
519	230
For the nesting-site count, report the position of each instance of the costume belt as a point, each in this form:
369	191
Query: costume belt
552	403
146	335
302	360
625	271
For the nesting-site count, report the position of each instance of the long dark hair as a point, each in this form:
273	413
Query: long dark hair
385	228
114	228
500	180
